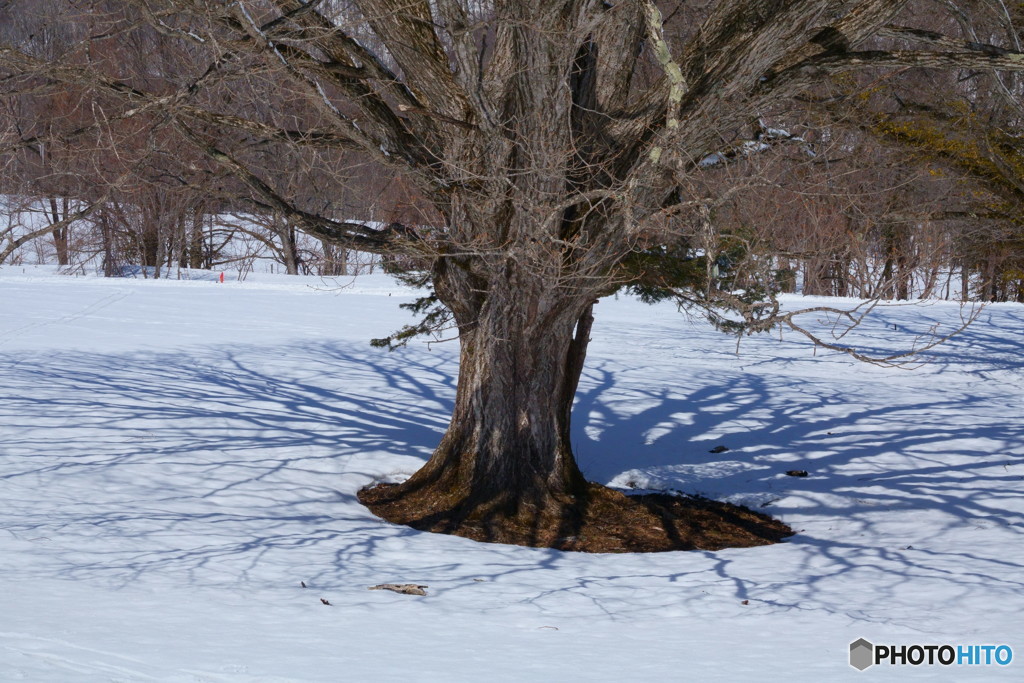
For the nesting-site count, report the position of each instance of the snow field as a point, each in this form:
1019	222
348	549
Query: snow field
176	457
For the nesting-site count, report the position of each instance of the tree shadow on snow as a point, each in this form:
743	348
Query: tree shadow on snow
209	462
241	464
909	490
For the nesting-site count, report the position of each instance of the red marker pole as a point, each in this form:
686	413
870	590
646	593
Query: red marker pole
222	278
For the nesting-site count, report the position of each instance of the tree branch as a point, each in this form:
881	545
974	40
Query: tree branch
396	238
803	73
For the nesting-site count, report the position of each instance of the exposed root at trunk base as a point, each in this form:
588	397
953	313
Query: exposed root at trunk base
597	520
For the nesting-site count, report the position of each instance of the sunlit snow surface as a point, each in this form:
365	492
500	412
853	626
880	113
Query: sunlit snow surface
176	457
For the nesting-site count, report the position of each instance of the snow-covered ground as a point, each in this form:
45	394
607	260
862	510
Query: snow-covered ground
178	457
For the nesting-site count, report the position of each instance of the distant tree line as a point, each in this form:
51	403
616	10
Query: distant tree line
897	185
79	184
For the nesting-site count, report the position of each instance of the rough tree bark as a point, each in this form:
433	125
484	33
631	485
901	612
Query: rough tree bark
507	452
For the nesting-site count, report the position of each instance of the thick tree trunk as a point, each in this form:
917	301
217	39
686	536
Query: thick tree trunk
507	452
505	472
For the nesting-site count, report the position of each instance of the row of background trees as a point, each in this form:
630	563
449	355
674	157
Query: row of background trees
84	189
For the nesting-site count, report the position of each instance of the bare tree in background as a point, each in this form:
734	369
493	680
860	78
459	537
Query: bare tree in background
961	130
551	143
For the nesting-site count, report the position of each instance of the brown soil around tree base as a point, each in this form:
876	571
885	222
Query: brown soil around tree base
599	520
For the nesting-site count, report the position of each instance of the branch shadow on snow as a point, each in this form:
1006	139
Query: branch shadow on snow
179	461
240	466
922	488
874	472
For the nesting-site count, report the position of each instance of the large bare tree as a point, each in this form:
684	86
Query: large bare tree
549	139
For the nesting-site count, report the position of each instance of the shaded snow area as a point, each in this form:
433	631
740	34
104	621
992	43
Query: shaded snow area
177	458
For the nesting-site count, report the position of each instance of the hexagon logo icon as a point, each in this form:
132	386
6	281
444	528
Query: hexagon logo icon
862	654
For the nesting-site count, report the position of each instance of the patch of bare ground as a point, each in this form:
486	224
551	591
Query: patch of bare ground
597	520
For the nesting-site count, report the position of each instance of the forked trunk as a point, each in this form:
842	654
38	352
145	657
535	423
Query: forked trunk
505	471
